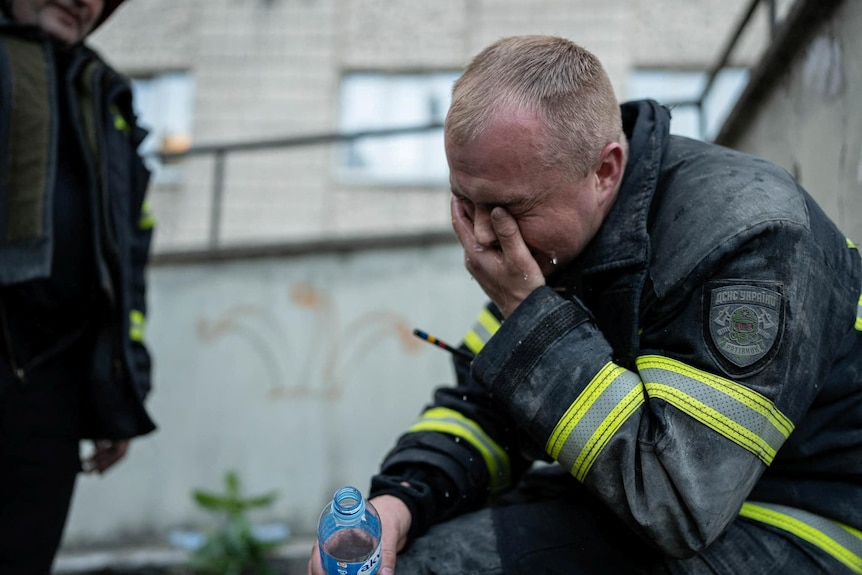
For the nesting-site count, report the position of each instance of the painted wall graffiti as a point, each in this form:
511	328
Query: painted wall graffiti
314	365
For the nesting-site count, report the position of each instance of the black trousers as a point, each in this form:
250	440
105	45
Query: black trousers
39	459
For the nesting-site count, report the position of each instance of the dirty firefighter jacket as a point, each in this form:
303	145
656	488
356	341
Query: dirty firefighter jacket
704	361
108	134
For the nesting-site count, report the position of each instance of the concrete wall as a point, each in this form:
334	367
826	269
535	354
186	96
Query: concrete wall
811	123
298	372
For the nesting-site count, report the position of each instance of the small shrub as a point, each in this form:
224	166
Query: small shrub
232	548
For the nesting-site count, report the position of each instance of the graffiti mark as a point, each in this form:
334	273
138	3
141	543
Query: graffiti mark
242	322
331	353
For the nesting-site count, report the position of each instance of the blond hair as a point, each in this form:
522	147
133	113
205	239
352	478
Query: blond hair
565	85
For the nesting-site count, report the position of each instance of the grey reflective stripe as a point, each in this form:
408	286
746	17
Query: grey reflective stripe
738	413
842	542
485	327
594	417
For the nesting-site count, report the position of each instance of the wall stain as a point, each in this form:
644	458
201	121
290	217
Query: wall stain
246	323
333	351
823	68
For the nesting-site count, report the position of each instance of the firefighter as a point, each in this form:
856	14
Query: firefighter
74	242
668	376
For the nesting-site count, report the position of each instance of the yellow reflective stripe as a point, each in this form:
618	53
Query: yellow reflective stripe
449	421
473	342
842	542
137	323
738	413
485	327
579	437
147	220
858	324
119	121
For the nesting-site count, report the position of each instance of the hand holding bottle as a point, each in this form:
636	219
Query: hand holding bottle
394	520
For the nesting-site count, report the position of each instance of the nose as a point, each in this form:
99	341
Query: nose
483	231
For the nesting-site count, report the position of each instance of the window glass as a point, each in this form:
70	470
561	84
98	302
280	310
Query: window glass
680	90
373	101
164	104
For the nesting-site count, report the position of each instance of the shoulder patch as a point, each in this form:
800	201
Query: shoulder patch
744	321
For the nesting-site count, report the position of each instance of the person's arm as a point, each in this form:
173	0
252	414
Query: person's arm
107	452
443	465
141	232
460	453
675	443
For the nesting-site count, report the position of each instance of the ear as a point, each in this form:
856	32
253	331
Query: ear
609	172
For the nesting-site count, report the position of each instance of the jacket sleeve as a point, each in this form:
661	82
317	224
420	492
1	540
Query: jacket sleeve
126	178
674	444
141	226
461	452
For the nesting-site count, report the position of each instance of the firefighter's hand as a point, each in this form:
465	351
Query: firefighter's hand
395	521
504	268
106	454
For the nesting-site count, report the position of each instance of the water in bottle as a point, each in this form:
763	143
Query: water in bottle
349	535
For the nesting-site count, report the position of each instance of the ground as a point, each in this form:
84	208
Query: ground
290	559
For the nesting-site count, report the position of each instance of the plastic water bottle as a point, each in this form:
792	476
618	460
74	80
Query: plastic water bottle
349	535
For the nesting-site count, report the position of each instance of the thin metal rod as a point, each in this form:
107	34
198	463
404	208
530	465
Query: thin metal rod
296	141
721	63
725	56
217	199
773	18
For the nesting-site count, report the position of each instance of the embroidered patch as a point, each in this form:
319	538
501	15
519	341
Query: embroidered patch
744	322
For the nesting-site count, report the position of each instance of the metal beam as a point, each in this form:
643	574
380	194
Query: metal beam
794	35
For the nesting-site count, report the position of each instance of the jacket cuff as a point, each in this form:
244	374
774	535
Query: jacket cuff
421	490
523	360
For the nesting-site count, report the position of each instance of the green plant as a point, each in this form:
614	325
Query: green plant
232	548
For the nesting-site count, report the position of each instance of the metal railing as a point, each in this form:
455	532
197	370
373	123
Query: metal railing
723	60
220	152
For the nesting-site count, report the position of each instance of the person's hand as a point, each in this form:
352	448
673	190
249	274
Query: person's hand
506	270
395	521
106	454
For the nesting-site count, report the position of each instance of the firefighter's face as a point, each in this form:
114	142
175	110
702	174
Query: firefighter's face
69	21
558	213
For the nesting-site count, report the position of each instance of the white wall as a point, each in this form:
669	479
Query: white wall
297	372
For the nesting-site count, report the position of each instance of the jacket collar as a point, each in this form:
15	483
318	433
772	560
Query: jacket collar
622	240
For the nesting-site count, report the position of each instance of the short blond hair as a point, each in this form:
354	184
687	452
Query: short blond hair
564	84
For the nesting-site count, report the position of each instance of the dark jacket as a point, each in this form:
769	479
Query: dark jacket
104	127
701	360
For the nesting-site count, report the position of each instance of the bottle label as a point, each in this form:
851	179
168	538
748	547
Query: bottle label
335	567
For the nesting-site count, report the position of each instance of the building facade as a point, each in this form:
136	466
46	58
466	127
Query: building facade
239	71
